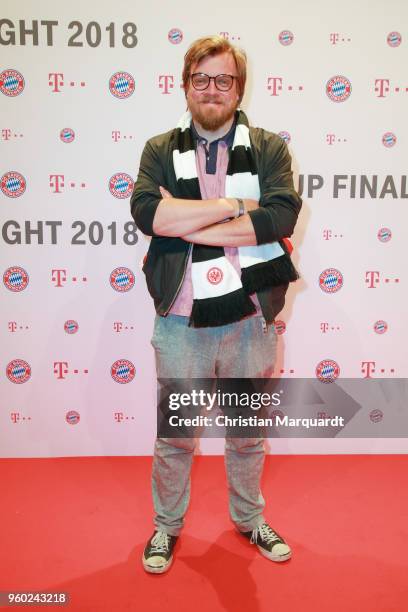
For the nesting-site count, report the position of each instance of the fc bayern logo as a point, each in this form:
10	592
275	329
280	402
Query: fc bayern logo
286	38
67	135
13	184
11	83
384	234
175	36
327	370
18	371
331	280
71	327
389	139
122	279
376	415
394	39
214	276
121	185
123	371
15	278
380	327
121	85
72	417
338	88
280	327
285	136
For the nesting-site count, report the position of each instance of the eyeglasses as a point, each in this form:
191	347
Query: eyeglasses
201	81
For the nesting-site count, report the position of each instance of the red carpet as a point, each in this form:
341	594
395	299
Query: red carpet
80	524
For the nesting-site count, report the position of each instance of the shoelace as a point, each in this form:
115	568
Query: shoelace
267	534
160	542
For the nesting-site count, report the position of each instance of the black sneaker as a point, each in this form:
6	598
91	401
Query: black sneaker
158	554
270	544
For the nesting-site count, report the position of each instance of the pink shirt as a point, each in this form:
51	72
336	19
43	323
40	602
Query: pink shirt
211	186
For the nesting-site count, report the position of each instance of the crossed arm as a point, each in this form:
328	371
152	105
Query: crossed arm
202	221
212	222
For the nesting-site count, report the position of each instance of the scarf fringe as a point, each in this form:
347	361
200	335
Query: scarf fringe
278	271
215	311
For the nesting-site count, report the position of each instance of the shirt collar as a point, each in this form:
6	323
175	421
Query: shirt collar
228	138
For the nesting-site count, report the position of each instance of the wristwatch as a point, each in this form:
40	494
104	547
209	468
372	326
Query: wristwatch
241	210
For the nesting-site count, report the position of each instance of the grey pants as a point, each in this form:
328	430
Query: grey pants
246	349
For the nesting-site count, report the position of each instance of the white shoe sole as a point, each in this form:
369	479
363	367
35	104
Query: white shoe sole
272	557
156	570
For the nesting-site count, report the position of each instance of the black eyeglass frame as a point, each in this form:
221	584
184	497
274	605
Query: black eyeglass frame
210	78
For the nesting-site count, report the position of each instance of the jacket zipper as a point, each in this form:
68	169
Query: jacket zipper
182	279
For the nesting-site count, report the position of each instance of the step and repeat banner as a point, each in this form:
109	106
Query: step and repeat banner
82	87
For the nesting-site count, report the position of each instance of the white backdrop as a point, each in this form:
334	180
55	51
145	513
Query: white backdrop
66	135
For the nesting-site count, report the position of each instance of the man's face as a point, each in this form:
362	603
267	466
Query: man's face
212	108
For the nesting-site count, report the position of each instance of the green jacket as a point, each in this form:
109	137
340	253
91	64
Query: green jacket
167	257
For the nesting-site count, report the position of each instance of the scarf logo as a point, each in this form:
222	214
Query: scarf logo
214	276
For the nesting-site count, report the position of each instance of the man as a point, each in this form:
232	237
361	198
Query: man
218	199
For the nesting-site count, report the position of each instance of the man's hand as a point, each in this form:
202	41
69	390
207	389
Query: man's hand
236	233
248	204
177	216
164	193
182	217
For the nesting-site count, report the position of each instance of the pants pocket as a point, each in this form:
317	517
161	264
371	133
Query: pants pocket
267	328
156	331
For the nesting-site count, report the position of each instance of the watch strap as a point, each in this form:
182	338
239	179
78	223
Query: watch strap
241	210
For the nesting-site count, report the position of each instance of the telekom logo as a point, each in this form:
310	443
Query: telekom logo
372	277
325	327
61	370
369	367
6	134
56	81
275	85
16	417
13	326
120	326
58	276
119	417
166	82
57	182
382	86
